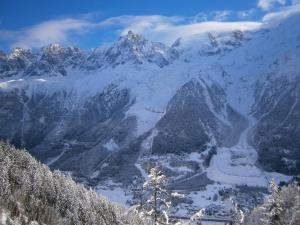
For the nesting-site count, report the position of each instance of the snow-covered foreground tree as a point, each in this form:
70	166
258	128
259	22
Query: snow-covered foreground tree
196	218
31	194
155	198
282	207
159	202
238	215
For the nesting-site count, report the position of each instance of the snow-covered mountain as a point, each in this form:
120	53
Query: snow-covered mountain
216	110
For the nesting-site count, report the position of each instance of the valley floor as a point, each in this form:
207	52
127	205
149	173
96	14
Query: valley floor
230	167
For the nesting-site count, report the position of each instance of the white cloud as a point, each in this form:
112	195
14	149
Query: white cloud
169	34
157	28
294	2
200	17
221	15
62	31
274	18
245	14
268	4
154	27
168	29
53	31
141	23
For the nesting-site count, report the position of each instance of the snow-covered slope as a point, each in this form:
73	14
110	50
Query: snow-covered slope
212	108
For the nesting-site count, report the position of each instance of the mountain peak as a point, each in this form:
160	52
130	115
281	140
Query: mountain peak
132	36
19	52
53	48
135	48
132	39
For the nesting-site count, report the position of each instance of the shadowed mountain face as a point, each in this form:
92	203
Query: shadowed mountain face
96	113
197	125
278	130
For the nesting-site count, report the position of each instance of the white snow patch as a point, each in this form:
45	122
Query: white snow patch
212	223
111	145
278	177
114	193
95	174
41	80
195	156
237	165
3	217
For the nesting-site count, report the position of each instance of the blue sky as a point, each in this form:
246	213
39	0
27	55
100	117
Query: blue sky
90	23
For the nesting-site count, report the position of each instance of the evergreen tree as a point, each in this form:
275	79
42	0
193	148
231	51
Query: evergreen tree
196	218
273	208
238	215
159	198
281	208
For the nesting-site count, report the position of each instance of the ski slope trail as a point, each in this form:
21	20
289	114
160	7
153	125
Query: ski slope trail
237	164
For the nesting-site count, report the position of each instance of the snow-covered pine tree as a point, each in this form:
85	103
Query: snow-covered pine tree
197	217
159	202
282	207
274	206
295	215
290	196
238	215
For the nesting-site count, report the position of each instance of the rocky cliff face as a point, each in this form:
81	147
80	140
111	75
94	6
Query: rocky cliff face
97	113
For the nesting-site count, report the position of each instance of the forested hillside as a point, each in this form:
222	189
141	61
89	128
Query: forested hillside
31	194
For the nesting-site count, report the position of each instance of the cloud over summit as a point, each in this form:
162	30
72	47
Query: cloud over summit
160	28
